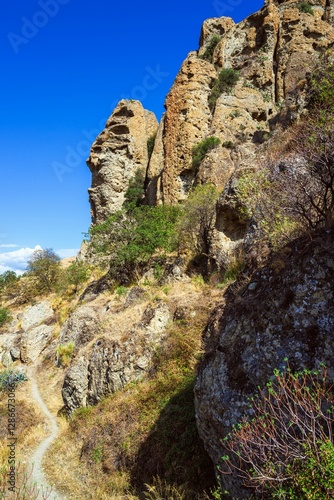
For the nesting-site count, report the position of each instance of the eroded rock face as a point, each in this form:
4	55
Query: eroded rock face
272	50
35	315
285	311
28	334
80	328
111	362
34	341
118	152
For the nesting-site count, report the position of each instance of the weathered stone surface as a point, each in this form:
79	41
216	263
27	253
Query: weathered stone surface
8	341
75	385
80	328
34	341
118	152
36	315
286	310
213	26
111	362
272	50
186	123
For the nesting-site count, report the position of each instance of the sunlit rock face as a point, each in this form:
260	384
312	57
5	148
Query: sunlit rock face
117	153
272	50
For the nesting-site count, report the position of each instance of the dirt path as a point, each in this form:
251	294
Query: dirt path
38	476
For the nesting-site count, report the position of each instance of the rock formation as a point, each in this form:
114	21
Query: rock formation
119	353
272	50
28	334
285	310
118	152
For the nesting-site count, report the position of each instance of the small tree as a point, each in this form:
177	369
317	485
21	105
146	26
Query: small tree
4	315
196	225
44	265
8	284
131	238
306	179
76	274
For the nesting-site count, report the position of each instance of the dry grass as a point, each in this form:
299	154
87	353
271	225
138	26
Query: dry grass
118	448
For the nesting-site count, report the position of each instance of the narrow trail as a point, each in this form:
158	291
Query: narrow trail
36	459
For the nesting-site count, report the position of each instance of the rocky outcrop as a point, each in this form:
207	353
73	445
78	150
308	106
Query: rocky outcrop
36	322
28	334
285	310
118	152
113	360
34	341
272	50
36	315
80	327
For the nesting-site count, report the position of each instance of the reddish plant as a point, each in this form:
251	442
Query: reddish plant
290	435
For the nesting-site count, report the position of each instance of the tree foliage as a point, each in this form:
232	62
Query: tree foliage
131	238
4	315
196	225
44	265
76	274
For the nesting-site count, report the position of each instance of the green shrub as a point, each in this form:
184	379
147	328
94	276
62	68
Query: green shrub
306	8
131	238
76	274
135	193
7	279
196	225
10	378
200	150
121	291
321	89
64	353
286	450
4	315
150	144
227	79
208	53
9	284
228	145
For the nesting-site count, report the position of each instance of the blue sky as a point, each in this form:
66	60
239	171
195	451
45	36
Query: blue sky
65	64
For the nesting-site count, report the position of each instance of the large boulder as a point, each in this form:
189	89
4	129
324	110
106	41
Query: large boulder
111	361
286	310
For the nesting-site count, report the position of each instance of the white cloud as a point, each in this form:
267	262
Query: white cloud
16	260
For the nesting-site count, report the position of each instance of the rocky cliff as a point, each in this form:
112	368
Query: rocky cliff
271	51
285	310
282	309
118	152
